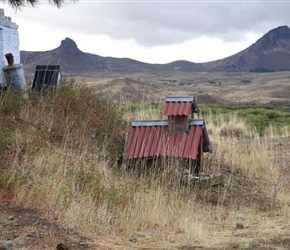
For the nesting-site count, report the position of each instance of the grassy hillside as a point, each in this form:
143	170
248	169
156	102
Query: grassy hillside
60	154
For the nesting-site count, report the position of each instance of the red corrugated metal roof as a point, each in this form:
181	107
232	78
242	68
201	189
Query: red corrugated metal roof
177	108
150	141
179	105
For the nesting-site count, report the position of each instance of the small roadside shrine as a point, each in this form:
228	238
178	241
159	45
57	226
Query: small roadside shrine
180	135
9	43
12	75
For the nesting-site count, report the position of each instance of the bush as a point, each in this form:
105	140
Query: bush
76	116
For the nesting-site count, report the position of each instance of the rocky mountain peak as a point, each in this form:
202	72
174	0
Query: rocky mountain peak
69	46
282	32
278	38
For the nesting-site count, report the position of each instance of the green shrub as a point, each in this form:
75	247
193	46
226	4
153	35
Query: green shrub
257	116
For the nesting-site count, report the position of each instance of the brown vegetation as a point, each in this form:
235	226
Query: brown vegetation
206	87
59	166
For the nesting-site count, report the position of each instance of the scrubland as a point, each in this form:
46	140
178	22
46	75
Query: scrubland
61	154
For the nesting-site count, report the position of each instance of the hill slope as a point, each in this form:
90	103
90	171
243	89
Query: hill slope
74	62
270	53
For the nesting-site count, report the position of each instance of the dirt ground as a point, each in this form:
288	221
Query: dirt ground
29	229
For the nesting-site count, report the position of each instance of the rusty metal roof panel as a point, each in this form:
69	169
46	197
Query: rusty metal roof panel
145	141
185	145
151	138
177	108
179	105
206	141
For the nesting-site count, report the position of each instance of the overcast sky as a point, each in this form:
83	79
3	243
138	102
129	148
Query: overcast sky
150	31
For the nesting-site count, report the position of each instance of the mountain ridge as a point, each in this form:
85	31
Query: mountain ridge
269	53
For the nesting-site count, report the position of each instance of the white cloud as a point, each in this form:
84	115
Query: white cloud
150	31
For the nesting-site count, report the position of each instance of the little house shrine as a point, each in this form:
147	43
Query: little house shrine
9	42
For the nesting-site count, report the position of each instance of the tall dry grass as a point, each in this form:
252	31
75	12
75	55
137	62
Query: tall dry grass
61	154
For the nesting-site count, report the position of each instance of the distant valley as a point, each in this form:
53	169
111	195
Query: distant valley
259	73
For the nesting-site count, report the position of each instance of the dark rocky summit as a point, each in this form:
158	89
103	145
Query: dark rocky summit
270	53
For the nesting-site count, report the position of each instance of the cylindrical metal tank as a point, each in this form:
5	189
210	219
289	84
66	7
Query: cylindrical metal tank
15	80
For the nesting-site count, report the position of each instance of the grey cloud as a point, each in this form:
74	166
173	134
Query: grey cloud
165	23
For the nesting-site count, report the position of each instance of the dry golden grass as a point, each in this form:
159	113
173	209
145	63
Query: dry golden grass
239	87
65	178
